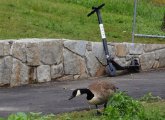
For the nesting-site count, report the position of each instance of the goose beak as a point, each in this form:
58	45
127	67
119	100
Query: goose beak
71	97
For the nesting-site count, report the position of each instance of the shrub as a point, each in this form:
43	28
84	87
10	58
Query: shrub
123	107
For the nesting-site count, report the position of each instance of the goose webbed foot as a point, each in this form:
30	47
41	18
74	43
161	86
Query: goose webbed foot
98	113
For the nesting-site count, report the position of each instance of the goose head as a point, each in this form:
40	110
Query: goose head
75	93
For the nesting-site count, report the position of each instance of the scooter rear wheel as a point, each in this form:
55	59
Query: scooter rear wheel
110	70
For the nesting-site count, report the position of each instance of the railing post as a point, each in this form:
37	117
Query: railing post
134	21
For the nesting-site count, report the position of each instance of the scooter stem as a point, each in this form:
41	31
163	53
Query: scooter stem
111	68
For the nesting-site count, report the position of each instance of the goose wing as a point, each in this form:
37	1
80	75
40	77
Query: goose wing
102	90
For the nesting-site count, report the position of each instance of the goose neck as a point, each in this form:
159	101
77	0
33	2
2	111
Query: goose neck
90	95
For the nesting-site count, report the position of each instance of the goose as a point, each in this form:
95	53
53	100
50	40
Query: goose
98	93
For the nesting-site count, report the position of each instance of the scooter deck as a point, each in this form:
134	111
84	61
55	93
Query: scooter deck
134	66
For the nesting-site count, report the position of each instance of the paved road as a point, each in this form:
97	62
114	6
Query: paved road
53	97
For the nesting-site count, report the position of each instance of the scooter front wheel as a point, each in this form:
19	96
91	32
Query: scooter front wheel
110	70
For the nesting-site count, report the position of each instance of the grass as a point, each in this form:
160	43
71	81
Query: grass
67	19
86	115
91	115
120	107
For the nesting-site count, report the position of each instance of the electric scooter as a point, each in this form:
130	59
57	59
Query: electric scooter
112	66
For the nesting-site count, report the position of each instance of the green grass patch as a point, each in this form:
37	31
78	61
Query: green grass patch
68	19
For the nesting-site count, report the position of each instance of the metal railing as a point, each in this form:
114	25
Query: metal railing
134	26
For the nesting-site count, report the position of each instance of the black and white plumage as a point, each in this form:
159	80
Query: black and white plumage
98	92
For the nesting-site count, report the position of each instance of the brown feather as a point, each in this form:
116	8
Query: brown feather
102	90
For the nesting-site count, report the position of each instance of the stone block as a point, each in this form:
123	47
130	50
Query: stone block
51	52
153	47
89	46
43	73
20	73
18	51
5	70
156	65
121	50
6	48
1	49
147	60
98	52
135	49
100	71
93	65
78	47
66	77
160	55
33	54
122	61
57	71
76	77
74	64
111	50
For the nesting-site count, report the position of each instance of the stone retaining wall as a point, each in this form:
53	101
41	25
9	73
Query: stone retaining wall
28	61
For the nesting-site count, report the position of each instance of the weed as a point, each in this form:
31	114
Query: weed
150	98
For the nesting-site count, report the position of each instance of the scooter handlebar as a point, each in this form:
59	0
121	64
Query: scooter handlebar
91	13
102	5
95	9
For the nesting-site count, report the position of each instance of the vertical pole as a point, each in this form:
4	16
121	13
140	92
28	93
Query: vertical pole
134	21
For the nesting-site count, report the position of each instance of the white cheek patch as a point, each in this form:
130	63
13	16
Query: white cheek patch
78	93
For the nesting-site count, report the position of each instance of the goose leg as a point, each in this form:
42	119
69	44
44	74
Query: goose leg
105	105
98	112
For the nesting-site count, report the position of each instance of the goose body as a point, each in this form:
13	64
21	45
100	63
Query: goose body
102	91
98	92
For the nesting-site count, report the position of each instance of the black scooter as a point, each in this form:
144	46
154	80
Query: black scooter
112	66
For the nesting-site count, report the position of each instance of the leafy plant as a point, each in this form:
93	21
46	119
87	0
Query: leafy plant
121	106
18	116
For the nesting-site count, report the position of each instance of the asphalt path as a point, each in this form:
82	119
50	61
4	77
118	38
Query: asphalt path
53	97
